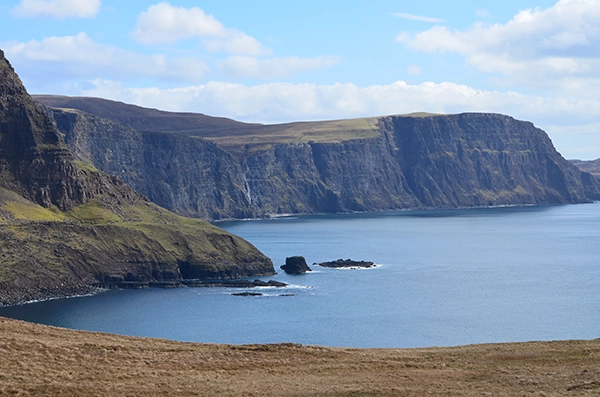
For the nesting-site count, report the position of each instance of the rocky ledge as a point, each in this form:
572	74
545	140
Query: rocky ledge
234	283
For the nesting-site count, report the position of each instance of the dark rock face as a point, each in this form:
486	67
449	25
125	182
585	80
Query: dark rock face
33	160
445	161
191	176
345	263
295	265
484	160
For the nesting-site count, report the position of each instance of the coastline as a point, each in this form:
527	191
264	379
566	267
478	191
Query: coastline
24	298
93	289
390	211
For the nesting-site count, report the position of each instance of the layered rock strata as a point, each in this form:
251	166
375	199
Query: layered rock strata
386	163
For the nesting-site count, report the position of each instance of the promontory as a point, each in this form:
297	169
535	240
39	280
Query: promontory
67	228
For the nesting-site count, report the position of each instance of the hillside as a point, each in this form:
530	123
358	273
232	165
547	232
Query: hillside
44	361
372	164
67	228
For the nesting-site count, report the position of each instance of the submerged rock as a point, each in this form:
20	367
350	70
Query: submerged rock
295	265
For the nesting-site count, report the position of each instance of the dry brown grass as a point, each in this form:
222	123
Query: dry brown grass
37	360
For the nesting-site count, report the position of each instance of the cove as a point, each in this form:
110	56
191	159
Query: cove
447	277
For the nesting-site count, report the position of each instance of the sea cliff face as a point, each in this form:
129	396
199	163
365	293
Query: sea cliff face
484	160
402	162
191	176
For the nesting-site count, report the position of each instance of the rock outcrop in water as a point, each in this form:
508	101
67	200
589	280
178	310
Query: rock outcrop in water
225	169
67	228
295	265
345	263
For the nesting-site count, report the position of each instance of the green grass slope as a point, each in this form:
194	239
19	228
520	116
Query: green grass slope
116	239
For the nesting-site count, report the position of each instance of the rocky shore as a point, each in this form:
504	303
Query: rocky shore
17	296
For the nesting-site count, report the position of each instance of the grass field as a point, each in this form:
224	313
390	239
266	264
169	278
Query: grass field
316	131
37	360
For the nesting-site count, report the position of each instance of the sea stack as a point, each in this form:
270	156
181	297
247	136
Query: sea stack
295	265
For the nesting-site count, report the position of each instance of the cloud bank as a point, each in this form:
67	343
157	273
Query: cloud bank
79	57
282	102
558	47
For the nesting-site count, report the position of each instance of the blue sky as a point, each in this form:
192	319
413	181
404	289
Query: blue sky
274	61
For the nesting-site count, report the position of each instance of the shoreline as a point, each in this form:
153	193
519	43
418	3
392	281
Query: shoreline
268	217
92	289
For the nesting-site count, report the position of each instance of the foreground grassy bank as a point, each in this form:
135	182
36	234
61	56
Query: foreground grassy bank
38	360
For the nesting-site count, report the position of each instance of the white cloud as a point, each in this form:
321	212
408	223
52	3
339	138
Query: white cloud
419	18
59	9
558	47
55	60
240	66
79	57
164	23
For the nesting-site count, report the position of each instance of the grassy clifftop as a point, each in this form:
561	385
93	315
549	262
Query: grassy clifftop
225	132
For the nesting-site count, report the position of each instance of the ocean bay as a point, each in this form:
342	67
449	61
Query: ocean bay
446	277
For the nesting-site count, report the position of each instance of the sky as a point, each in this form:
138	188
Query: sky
274	61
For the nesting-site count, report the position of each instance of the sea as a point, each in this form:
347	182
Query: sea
443	278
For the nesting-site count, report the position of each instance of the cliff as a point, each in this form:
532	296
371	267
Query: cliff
192	176
67	228
385	163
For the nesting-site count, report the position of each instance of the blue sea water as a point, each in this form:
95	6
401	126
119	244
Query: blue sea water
448	277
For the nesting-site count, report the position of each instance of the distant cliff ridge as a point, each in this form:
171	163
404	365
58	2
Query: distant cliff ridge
591	166
236	170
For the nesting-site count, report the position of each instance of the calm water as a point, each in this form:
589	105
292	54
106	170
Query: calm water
446	278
